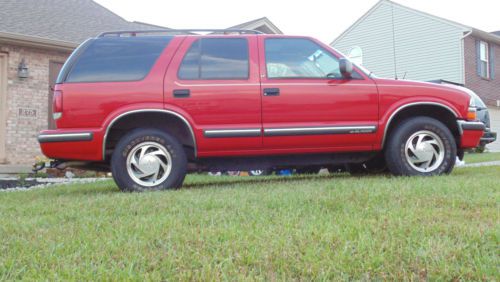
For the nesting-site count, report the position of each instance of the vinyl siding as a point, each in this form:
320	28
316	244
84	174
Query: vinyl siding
425	48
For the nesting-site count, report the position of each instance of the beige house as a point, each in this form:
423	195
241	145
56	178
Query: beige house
36	37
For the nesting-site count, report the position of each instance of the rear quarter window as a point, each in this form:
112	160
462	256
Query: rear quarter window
117	59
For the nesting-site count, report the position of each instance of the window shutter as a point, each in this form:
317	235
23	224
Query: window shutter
478	57
491	52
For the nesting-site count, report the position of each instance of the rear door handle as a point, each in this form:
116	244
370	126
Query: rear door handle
271	91
182	93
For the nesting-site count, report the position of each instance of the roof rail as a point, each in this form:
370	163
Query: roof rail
181	31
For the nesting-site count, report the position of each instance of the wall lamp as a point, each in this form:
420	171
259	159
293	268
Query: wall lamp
22	70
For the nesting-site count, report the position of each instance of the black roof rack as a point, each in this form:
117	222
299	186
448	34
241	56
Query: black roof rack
181	31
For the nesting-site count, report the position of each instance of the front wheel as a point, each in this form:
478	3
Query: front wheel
148	159
420	146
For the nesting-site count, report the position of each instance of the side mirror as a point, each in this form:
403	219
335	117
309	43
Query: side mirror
345	67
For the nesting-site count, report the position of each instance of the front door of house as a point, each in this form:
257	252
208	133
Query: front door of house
54	68
3	106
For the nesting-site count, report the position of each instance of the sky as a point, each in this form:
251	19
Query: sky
321	19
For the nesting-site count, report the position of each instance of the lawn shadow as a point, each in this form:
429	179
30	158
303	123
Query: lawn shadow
96	188
227	182
109	187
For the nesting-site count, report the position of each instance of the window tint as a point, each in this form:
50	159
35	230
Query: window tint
118	59
300	58
216	58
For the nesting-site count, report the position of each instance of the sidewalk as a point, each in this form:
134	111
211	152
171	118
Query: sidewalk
492	163
495	126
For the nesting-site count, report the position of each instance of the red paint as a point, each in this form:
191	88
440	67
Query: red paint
470	138
237	104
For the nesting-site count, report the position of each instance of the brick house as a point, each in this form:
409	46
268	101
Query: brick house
36	37
396	41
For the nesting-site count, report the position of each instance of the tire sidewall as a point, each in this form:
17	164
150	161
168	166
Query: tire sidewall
133	139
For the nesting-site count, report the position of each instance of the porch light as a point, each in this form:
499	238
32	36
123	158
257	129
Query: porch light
22	70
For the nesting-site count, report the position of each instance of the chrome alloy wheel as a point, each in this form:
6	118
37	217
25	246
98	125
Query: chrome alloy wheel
424	151
149	164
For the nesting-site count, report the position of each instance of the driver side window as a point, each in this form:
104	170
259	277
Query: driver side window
299	58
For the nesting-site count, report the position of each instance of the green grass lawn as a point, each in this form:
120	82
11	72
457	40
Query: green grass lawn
481	157
334	227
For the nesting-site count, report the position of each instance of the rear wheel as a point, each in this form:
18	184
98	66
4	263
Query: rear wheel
420	146
148	159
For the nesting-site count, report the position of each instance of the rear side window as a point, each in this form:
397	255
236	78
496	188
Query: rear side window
216	58
117	59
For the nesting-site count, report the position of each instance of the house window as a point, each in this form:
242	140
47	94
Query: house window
484	62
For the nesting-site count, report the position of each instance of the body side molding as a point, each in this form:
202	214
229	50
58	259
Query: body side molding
66	137
224	133
320	130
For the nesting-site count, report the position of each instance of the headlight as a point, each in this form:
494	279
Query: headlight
472	103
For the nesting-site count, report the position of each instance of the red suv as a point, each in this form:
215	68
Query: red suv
152	106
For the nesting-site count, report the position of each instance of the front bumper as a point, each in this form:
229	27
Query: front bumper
470	133
72	144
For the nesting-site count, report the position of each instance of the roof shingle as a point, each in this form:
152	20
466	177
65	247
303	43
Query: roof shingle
63	20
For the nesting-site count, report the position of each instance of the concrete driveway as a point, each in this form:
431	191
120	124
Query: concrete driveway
495	126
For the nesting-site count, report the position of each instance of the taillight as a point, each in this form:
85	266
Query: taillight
57	104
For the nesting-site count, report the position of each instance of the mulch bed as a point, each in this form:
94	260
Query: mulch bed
18	183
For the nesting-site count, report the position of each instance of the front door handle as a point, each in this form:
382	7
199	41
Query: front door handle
271	91
182	93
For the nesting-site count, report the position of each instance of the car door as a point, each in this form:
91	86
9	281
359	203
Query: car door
215	80
307	104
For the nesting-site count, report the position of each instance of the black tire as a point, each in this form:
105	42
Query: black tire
131	142
396	155
308	170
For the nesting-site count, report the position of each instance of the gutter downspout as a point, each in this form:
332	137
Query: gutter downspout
463	54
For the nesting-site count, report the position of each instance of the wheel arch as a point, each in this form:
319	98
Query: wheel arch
166	114
439	111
